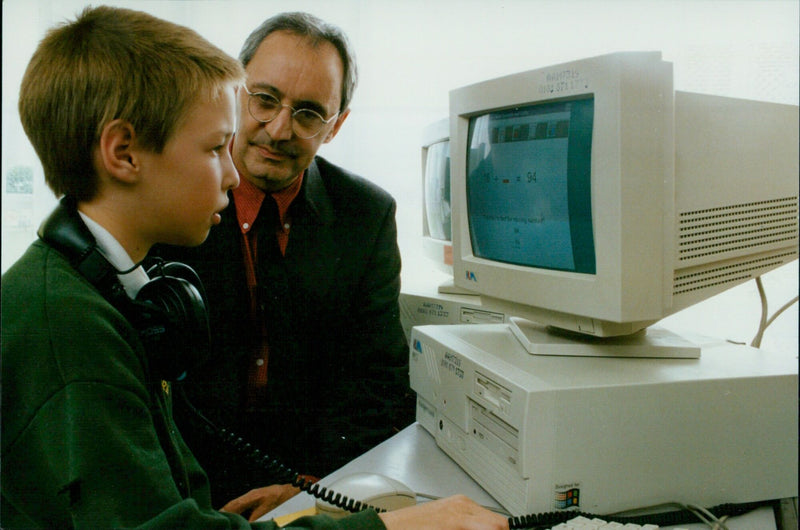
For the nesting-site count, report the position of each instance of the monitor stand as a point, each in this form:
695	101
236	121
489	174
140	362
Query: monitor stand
651	342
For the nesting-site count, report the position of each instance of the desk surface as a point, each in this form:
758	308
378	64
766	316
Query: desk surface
412	457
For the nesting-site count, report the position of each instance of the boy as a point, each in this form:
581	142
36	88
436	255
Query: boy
131	117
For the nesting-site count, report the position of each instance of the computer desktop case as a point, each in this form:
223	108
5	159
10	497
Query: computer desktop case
544	433
428	307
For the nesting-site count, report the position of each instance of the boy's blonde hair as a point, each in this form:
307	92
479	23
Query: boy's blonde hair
113	63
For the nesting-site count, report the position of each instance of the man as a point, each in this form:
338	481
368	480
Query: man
302	276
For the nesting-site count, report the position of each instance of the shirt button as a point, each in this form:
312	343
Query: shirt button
259	362
286	226
246	225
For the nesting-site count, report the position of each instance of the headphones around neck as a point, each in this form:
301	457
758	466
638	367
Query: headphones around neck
169	311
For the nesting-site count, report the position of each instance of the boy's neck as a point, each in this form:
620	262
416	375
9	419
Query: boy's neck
133	276
106	218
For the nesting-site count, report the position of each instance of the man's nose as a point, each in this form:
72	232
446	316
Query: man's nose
280	128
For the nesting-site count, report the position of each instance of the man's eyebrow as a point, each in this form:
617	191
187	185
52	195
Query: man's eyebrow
309	104
265	87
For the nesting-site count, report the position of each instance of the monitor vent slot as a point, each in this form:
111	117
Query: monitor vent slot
737	228
731	273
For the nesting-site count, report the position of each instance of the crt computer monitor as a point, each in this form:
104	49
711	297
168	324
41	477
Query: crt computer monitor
437	241
591	199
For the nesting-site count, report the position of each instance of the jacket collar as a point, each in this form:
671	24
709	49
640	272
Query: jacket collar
316	195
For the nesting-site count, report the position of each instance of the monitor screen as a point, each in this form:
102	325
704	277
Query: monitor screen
529	188
437	190
437	232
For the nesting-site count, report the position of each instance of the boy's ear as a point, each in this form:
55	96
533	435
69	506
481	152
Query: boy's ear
117	154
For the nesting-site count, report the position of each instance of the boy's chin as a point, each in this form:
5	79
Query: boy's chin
199	241
190	241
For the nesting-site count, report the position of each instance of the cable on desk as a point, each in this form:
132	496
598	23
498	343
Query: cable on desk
282	473
714	517
766	321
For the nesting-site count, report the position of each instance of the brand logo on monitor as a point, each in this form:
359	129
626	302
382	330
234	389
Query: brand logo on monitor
471	276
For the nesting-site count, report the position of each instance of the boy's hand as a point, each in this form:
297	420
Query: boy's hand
453	513
261	500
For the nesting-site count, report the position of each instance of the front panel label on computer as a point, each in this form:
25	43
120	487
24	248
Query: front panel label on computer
452	364
434	310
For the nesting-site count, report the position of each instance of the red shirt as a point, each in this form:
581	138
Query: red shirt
248	199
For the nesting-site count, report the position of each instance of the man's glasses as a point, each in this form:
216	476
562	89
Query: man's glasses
305	122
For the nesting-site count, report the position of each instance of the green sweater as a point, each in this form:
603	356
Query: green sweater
88	440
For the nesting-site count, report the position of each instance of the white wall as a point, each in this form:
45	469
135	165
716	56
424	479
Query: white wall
412	52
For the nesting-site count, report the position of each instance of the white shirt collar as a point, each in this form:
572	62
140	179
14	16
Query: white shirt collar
134	276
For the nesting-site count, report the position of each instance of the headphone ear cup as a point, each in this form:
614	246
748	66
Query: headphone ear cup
178	270
177	336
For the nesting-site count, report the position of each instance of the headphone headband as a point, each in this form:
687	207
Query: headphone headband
65	231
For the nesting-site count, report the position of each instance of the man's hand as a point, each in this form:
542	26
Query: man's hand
261	500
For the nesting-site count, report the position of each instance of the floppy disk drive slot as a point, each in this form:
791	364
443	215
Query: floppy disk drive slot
500	437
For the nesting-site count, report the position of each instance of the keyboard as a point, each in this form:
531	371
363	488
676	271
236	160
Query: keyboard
584	523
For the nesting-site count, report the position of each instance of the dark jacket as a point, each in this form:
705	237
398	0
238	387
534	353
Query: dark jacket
338	360
88	439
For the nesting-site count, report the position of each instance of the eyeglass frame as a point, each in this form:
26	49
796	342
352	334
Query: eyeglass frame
294	111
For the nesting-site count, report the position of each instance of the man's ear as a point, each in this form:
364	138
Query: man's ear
336	126
117	154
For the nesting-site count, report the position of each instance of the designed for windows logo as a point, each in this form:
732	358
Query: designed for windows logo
567	496
471	276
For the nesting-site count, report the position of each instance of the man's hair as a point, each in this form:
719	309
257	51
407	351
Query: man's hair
112	63
317	31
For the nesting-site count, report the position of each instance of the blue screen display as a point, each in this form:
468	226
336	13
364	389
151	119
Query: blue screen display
528	186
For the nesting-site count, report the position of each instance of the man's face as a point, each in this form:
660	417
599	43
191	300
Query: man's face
271	155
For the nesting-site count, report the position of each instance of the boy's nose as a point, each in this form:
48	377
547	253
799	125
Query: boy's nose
230	177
